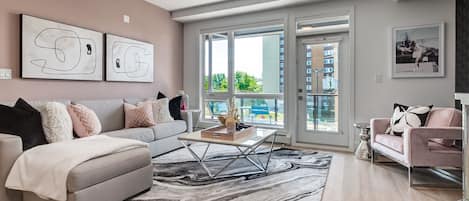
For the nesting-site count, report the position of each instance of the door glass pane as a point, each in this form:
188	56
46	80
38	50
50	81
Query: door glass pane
321	85
216	62
259	62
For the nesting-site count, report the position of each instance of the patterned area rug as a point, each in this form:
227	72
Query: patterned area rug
292	175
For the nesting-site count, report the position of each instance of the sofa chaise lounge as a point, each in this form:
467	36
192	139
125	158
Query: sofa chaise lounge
108	178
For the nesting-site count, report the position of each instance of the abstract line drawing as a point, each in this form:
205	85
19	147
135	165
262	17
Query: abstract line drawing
52	50
128	60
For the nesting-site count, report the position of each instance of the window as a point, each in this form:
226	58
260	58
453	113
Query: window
329	61
328	70
328	52
216	62
324	25
248	65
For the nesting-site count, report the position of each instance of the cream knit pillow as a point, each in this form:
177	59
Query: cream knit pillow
56	122
160	109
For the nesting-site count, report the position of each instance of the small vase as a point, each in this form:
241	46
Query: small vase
230	124
222	120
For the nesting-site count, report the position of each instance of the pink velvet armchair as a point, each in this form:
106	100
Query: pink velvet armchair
430	146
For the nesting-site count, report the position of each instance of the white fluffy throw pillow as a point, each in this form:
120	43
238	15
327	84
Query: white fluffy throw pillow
56	122
160	108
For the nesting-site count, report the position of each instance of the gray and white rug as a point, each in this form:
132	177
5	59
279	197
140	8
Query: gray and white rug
292	175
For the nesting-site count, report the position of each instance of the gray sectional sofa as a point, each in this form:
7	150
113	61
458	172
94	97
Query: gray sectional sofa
109	178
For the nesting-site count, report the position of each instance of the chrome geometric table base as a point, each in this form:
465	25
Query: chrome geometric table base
248	153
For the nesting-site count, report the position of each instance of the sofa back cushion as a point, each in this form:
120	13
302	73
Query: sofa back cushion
444	117
135	101
109	111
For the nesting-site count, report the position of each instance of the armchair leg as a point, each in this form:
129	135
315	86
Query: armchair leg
410	176
411	169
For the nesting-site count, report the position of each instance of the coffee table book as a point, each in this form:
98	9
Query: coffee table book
221	133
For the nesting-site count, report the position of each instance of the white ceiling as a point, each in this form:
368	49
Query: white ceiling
232	7
172	5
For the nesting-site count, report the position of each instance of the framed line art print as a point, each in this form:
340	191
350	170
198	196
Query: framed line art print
128	60
53	50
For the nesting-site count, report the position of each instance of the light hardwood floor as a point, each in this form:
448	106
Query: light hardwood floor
351	179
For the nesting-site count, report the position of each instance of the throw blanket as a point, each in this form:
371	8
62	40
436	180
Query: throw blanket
44	169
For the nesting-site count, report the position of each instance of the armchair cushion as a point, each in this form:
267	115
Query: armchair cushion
444	117
437	147
395	143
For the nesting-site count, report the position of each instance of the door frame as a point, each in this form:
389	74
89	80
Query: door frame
353	139
341	137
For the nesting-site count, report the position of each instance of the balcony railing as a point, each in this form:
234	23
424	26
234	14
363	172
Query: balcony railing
259	109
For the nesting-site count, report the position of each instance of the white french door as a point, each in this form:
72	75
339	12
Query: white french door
323	93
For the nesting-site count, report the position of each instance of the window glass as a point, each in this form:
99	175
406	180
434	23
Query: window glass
257	70
216	62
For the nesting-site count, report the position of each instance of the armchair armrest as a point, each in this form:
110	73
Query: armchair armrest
378	125
11	148
419	153
425	133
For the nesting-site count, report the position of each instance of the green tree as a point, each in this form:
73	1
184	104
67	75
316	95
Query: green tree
219	82
246	83
243	82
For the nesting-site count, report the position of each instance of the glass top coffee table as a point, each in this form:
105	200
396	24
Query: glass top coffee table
247	147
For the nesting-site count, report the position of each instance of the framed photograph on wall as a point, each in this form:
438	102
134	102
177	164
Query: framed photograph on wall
128	60
52	50
418	51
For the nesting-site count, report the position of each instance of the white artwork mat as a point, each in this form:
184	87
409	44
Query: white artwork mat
52	50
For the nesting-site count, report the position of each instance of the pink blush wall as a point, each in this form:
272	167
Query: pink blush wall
148	23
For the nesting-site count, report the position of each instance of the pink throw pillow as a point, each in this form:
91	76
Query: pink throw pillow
138	116
85	121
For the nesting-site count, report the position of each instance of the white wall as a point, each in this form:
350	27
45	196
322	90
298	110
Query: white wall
373	20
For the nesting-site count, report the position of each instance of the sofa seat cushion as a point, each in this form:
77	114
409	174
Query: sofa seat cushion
393	142
101	169
141	134
168	129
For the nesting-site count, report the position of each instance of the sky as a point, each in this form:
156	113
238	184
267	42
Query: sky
427	36
248	56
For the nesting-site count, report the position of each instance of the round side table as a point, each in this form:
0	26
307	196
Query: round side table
363	151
